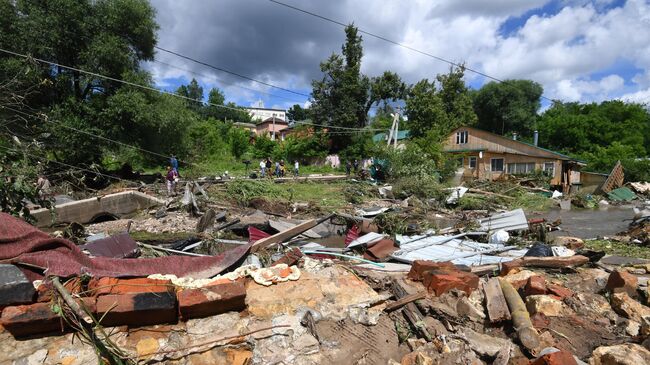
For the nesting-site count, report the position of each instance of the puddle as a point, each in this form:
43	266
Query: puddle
589	223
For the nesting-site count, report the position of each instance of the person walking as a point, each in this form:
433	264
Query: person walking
173	161
269	164
348	167
262	168
356	165
296	167
277	169
171	178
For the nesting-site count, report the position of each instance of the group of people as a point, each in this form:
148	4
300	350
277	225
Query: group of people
349	165
280	170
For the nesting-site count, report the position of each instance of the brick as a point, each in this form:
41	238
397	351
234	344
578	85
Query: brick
622	281
291	257
14	286
27	320
441	282
137	309
536	285
420	266
556	358
545	304
559	291
212	300
106	285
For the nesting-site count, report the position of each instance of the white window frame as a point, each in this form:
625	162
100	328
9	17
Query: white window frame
552	169
462	137
492	164
520	168
472	162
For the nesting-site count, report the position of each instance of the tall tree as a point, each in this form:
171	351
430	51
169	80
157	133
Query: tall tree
297	113
456	99
218	109
344	95
193	91
425	109
509	106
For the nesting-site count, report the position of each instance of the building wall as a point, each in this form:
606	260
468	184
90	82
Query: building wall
263	114
483	165
267	129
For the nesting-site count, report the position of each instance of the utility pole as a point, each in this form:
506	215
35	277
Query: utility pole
394	129
273	137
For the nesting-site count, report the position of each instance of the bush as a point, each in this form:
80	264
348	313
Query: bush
424	188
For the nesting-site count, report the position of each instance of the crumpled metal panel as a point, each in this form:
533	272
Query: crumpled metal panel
513	220
456	249
118	246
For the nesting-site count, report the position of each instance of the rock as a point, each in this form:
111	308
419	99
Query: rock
556	358
632	328
559	291
628	307
625	354
14	286
645	326
545	304
519	276
536	285
568	242
484	345
622	281
466	309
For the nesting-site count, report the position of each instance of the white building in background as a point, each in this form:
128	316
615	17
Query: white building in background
262	114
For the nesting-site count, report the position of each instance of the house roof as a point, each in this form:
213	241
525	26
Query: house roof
270	120
383	136
544	151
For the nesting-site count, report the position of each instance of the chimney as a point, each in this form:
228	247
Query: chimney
535	138
514	136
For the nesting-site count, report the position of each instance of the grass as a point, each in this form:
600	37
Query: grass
144	236
619	248
531	201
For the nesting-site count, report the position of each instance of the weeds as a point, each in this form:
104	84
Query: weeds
619	248
243	191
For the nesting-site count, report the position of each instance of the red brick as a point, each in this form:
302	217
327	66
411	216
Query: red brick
26	320
540	320
622	281
106	285
559	291
535	285
441	282
137	309
291	257
211	300
419	267
556	358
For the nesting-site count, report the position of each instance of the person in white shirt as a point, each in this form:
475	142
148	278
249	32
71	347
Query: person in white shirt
263	168
296	168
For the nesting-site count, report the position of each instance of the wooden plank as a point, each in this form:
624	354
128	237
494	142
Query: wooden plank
497	307
404	301
284	235
411	311
545	262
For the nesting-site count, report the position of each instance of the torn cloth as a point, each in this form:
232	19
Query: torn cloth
21	243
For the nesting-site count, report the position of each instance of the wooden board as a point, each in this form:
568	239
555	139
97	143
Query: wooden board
284	235
497	308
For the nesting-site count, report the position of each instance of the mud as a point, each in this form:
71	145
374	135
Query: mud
589	223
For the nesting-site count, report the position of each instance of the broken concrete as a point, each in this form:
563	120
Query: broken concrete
85	211
14	286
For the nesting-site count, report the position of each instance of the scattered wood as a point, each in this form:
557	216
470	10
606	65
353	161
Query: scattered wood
404	301
227	224
615	178
526	333
544	262
411	311
497	308
485	269
287	234
489	193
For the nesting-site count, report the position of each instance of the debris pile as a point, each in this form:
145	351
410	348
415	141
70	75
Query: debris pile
361	286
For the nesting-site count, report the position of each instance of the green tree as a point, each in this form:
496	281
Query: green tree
297	113
425	109
456	99
239	141
193	91
508	107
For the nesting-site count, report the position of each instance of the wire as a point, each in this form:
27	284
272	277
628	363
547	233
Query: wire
231	72
338	127
395	43
46	119
43	159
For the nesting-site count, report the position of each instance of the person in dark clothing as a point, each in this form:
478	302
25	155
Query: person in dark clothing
269	164
356	165
348	167
173	161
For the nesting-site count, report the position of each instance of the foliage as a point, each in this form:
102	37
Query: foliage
619	248
475	203
192	91
218	109
343	96
508	107
264	147
18	175
297	113
239	141
391	224
243	191
424	108
304	147
424	188
456	99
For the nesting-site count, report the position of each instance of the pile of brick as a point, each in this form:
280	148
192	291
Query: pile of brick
134	302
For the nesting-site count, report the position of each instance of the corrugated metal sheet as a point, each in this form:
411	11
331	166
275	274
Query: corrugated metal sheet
622	194
456	249
513	220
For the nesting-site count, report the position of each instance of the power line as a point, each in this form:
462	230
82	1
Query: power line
338	127
143	86
231	72
394	43
42	159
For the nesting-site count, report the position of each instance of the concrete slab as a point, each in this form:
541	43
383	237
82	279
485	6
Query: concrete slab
14	286
85	211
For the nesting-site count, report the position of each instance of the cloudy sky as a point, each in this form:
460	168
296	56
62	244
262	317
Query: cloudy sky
579	50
